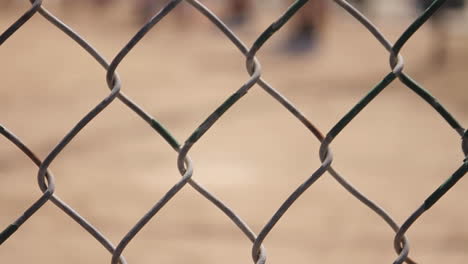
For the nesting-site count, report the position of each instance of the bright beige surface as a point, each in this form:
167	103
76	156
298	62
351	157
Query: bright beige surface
397	151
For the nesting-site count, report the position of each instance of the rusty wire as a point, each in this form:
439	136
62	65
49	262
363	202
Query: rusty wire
185	165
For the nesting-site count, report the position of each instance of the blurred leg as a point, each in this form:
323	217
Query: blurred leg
145	9
239	6
238	12
439	50
440	38
308	26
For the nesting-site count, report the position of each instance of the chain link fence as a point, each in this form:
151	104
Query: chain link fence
46	180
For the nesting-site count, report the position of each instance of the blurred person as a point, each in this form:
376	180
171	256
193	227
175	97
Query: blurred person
145	9
438	23
307	24
238	12
307	27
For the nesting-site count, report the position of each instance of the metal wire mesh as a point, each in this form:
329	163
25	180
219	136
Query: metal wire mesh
185	166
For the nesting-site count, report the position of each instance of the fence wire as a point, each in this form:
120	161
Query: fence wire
185	166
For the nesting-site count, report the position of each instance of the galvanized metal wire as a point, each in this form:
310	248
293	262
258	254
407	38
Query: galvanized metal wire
46	179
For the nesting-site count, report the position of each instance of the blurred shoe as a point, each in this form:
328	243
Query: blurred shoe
146	11
301	41
236	20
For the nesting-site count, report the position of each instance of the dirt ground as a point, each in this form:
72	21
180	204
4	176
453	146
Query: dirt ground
397	151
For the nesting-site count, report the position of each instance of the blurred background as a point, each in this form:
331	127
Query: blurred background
397	151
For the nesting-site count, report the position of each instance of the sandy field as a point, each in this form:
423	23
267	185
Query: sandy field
397	151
